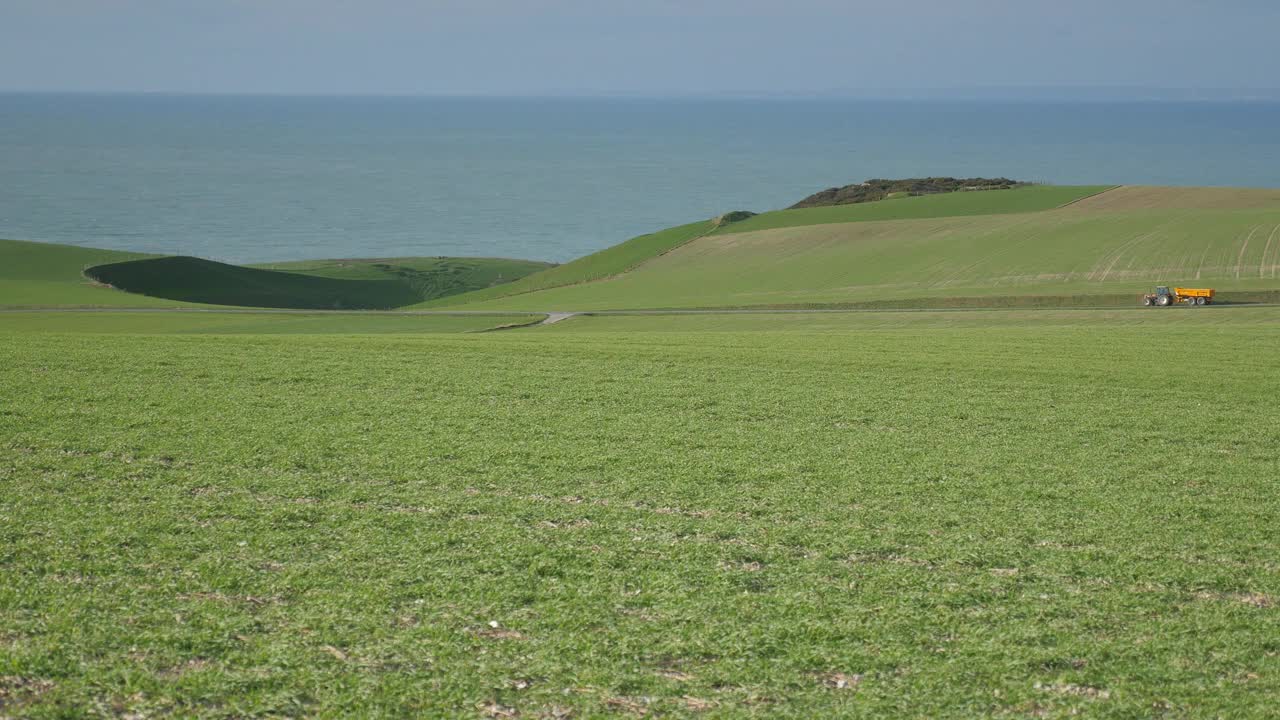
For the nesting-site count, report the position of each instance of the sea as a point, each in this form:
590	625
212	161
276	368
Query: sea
261	179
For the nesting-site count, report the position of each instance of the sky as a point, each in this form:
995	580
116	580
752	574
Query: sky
637	47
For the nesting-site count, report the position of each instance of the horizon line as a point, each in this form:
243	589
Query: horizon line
1043	93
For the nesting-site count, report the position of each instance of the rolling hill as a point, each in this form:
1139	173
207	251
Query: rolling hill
1098	246
600	265
46	275
49	275
1029	246
325	284
619	259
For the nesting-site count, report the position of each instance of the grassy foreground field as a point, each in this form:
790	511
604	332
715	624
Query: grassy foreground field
233	323
879	515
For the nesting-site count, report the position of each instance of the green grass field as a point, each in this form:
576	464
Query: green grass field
229	323
1098	251
999	513
1255	318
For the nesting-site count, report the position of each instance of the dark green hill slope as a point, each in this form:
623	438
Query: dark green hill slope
429	277
204	281
313	285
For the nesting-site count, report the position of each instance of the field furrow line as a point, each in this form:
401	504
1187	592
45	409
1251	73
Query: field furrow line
1099	272
1244	247
1266	253
1207	247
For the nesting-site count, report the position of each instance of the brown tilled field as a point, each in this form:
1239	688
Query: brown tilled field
1140	197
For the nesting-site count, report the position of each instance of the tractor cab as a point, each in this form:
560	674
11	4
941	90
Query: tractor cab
1160	298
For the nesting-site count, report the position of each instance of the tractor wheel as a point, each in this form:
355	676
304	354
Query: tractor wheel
1146	301
1162	301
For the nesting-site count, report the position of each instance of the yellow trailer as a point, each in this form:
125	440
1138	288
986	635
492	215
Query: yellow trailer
1163	297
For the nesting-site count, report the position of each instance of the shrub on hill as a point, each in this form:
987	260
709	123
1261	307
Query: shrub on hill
732	217
882	189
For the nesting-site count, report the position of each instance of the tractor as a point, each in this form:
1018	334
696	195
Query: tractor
1164	297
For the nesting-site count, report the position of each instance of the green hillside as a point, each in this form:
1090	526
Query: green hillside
51	275
596	266
45	275
616	260
1102	250
1030	246
428	277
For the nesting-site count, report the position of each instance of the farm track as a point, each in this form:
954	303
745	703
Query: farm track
1069	203
555	316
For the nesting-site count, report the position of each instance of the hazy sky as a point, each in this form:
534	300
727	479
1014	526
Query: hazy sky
639	47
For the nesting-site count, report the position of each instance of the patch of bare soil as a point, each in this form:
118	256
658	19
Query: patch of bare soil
637	707
190	666
1253	599
697	704
495	631
841	681
19	690
1084	691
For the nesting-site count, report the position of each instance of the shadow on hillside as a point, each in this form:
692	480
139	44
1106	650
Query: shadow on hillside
190	279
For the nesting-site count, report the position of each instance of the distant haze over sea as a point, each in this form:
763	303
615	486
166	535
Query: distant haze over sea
248	179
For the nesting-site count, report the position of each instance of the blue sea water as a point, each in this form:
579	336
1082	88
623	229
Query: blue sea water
252	179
